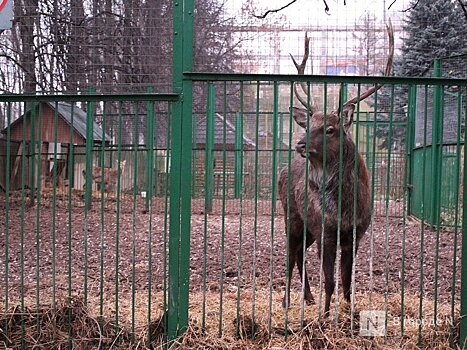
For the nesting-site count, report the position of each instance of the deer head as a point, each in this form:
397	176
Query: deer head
317	118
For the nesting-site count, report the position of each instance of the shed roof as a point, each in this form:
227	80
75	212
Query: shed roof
79	120
64	110
219	123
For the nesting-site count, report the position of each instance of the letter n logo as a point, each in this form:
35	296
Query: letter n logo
372	323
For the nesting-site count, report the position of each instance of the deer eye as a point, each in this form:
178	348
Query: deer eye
330	130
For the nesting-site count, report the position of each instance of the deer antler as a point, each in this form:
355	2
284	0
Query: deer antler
301	71
387	71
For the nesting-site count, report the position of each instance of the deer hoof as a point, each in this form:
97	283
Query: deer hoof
309	299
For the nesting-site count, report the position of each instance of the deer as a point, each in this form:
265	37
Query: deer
310	151
109	179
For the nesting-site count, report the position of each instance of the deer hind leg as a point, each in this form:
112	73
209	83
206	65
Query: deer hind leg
294	252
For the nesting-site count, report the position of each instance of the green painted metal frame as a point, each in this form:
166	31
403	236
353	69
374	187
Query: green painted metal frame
180	186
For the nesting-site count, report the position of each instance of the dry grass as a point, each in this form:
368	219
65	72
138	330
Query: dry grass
81	327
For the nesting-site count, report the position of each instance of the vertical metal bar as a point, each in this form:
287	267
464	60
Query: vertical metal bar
32	155
438	208
238	152
149	196
273	195
168	146
305	210
354	214
117	228
456	215
435	146
222	243
150	151
187	142
287	224
180	203
38	207
410	132
194	147
7	211
255	224
387	195
323	206
155	169
339	201
71	163
22	210
102	226
208	187
463	311
373	174
133	220
54	207
423	214
88	188
240	224
209	170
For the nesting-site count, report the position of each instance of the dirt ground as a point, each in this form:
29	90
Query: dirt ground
240	246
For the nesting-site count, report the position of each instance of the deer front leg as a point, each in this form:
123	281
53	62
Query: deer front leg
292	260
329	259
346	270
303	274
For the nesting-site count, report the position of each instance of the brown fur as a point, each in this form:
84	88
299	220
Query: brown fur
110	175
314	199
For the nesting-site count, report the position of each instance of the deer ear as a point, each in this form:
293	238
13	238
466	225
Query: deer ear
300	116
347	113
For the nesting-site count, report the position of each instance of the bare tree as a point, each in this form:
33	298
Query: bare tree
369	46
26	15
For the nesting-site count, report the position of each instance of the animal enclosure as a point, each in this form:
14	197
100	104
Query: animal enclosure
153	219
116	255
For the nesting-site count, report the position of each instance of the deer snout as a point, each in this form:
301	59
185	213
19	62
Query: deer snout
301	148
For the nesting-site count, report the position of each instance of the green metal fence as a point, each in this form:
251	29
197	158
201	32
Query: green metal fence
175	220
85	223
399	247
110	238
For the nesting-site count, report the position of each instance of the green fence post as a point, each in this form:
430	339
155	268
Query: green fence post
238	154
436	124
180	193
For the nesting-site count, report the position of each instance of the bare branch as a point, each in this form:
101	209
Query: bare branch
411	7
392	3
264	15
326	7
407	9
464	8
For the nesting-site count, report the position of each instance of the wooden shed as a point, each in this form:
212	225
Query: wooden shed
48	130
225	139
